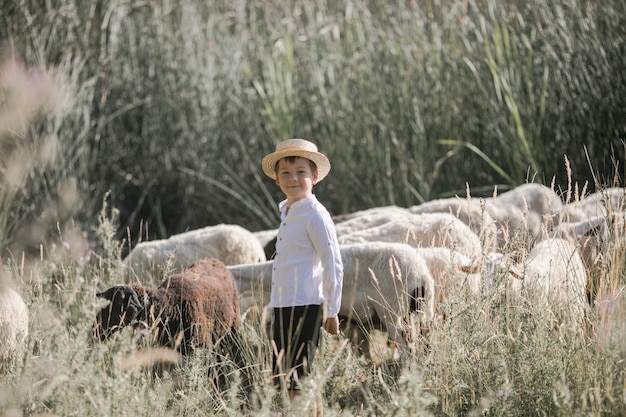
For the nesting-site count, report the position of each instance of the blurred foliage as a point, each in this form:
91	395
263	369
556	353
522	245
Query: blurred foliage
174	103
38	196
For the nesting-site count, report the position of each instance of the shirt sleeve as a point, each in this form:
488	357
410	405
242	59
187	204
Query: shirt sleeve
324	238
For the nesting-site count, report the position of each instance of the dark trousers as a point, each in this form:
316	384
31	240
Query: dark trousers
295	332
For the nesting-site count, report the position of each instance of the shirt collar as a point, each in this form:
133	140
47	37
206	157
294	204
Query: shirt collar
282	206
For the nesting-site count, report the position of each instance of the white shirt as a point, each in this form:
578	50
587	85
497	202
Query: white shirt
307	268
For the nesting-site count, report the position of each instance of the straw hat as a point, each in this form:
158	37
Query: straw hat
296	147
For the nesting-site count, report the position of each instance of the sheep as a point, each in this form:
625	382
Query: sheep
531	197
386	210
520	213
598	238
574	211
387	281
370	218
231	244
194	308
427	229
599	203
553	277
604	202
471	211
267	239
254	283
455	275
586	233
500	224
517	230
382	283
13	324
497	220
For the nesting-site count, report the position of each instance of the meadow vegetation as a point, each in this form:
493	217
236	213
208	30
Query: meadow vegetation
122	121
175	102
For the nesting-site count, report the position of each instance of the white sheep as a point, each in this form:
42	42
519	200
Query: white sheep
520	214
456	276
421	230
586	233
604	202
229	243
471	211
386	282
267	239
574	211
533	197
598	238
517	230
367	220
553	277
254	284
597	204
382	284
13	324
387	210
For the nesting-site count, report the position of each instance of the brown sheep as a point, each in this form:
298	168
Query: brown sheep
194	308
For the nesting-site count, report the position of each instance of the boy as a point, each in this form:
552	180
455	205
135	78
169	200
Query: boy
307	274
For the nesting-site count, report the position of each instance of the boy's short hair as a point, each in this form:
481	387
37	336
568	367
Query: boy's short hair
292	158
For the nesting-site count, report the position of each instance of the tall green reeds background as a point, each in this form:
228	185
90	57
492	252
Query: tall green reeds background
124	120
175	102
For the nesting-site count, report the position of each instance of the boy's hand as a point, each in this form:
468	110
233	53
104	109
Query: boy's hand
331	325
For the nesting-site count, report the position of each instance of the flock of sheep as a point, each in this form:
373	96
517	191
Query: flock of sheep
398	263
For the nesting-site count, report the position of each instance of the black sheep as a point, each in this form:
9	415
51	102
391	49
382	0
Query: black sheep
194	308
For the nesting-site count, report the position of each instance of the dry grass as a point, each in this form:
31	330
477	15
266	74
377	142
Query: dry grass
490	357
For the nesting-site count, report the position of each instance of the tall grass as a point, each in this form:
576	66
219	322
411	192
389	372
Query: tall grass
492	356
175	103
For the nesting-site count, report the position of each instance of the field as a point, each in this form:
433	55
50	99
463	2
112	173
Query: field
491	357
126	121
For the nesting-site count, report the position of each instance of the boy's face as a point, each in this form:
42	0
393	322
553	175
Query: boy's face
296	179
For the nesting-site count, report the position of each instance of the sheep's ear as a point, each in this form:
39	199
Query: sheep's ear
516	272
470	269
134	299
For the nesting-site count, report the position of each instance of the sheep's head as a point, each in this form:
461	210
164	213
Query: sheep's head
499	269
123	308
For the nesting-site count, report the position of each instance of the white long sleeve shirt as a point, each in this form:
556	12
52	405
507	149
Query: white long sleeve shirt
307	268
